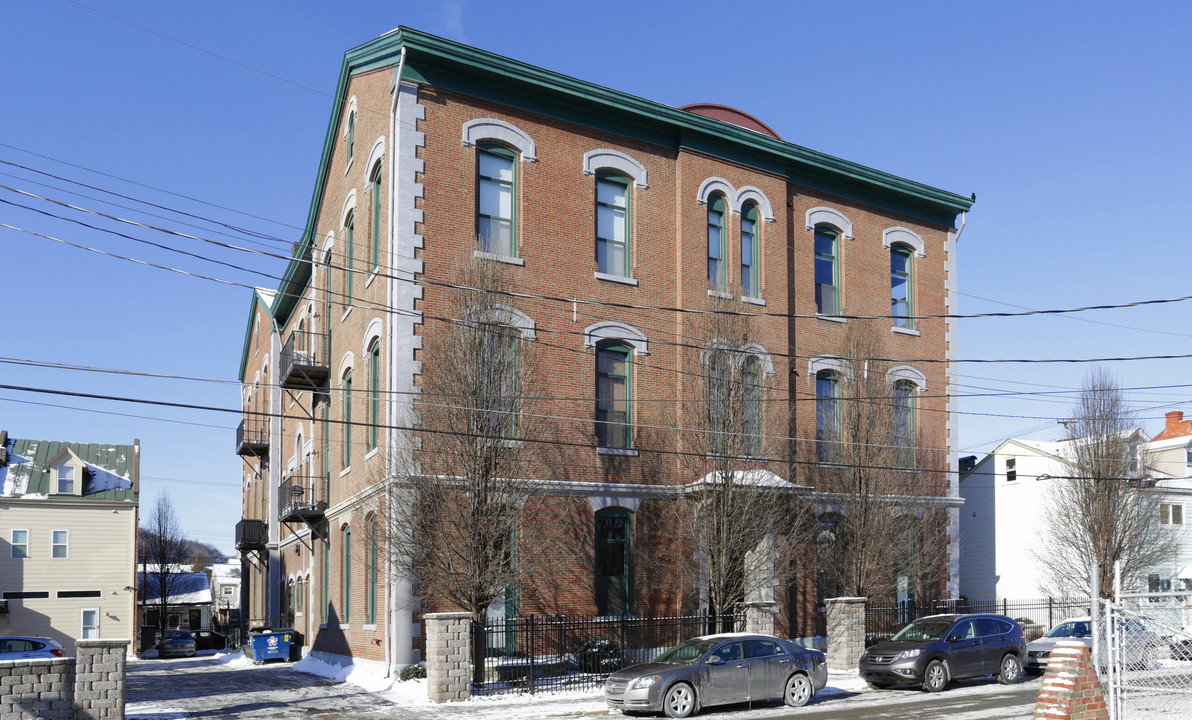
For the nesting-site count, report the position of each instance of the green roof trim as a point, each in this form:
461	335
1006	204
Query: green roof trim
468	70
258	296
111	470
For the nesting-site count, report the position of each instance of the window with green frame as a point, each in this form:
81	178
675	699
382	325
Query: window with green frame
716	274
351	136
614	577
349	254
826	415
751	378
327	580
374	393
502	344
346	576
750	281
612	225
375	236
614	418
904	422
347	432
496	176
827	272
373	557
900	287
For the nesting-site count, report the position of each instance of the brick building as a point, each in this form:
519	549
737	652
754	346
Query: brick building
616	217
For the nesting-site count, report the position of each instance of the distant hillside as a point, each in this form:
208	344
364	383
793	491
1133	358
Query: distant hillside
196	553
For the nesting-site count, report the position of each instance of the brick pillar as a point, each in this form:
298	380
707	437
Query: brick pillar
1071	690
448	656
99	679
846	632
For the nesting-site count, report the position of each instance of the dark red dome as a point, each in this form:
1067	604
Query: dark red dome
731	115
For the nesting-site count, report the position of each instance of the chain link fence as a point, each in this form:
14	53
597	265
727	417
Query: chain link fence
1146	665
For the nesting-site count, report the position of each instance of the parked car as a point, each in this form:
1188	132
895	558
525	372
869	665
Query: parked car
716	670
177	643
18	647
1139	649
933	650
208	640
1181	650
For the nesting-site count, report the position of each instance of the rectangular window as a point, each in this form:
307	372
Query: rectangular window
26	595
613	591
826	428
502	345
375	254
60	543
1171	514
612	226
72	594
373	570
900	287
827	291
66	479
716	243
20	544
904	423
349	254
494	201
346	575
612	397
374	394
749	274
89	623
347	391
1011	469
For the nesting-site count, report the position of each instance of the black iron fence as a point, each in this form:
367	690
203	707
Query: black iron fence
547	654
1036	616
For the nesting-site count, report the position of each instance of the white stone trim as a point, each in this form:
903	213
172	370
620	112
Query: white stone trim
749	193
835	364
346	363
374	331
475	132
501	314
760	353
716	185
903	236
610	330
596	160
375	155
906	372
349	208
615	278
829	216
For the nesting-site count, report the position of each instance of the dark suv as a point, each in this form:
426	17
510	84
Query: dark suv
933	650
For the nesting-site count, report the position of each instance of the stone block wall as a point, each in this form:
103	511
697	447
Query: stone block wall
448	656
89	686
1070	690
846	632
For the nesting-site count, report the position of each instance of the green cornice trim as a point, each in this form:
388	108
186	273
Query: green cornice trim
252	309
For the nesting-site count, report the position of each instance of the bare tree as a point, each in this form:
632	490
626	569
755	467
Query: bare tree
1103	511
164	554
458	523
738	514
875	534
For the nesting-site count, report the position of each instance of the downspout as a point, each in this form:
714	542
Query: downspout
390	474
952	290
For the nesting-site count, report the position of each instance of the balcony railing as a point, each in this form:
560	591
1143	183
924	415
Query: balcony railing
252	437
303	498
251	535
304	364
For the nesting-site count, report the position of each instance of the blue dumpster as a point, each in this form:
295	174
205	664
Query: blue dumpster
271	645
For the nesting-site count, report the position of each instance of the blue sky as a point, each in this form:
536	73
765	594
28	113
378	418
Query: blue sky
1068	120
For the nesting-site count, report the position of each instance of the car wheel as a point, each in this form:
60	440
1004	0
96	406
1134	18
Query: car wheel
1011	670
935	677
1150	660
798	690
679	701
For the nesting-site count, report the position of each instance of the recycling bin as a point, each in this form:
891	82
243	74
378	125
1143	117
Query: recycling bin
272	645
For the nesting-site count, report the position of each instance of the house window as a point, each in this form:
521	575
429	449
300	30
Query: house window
751	377
1171	514
502	344
495	201
1011	469
904	423
375	245
66	479
59	543
89	623
716	275
20	544
826	415
827	273
614	591
349	254
346	579
374	393
612	225
347	394
374	554
613	393
900	287
749	252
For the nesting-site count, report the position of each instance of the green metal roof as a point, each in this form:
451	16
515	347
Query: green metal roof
488	76
111	469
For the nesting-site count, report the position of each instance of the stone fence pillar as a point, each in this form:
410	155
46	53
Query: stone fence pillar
448	655
759	617
846	632
1070	689
99	679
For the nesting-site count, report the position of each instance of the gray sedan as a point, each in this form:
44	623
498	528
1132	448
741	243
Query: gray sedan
717	670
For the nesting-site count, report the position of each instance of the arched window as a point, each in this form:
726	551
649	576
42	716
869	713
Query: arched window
374	556
614	579
901	285
496	182
750	280
716	273
612	225
349	256
346	576
904	423
614	392
826	415
374	393
719	389
346	392
351	134
501	353
374	246
751	417
300	595
827	271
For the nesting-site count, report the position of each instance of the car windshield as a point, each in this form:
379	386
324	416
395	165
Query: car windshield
926	629
685	653
177	635
1071	629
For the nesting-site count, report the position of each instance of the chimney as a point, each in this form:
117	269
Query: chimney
1177	426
